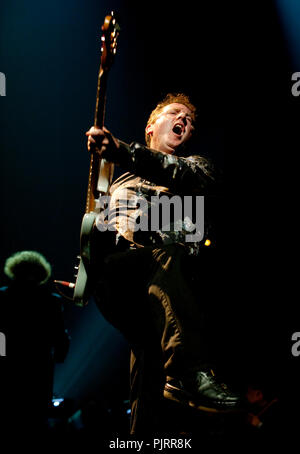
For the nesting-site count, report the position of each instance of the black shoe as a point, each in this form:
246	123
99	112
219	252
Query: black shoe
202	391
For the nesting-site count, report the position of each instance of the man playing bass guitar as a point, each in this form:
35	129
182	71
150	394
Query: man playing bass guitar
156	286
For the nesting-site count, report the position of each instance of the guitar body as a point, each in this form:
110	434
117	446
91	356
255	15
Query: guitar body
83	283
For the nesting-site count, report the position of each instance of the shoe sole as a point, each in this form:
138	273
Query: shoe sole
176	395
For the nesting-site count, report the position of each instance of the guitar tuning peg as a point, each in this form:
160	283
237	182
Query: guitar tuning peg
76	267
78	256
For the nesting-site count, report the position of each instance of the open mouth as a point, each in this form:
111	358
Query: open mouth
178	129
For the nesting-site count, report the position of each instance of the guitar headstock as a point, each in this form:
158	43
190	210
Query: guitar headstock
109	38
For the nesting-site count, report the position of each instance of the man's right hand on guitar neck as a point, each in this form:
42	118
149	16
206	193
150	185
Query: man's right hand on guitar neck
102	142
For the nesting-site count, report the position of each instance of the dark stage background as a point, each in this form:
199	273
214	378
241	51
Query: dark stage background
235	65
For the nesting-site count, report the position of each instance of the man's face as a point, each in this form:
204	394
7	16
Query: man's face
172	128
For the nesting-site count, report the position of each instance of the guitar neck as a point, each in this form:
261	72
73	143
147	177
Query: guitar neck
101	172
100	99
95	161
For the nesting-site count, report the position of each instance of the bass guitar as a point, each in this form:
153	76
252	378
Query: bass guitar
100	171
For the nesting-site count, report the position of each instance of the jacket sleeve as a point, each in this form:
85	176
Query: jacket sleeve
191	175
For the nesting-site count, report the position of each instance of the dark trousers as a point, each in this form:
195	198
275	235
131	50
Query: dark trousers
160	300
